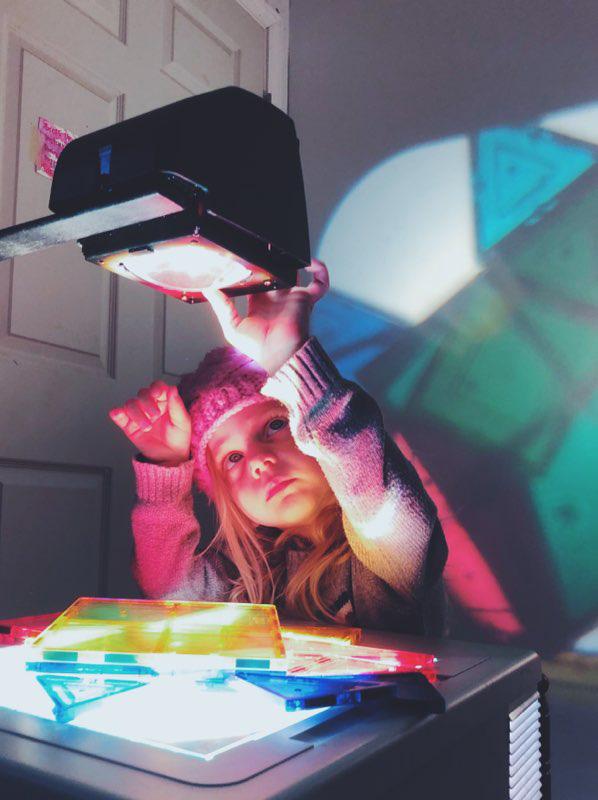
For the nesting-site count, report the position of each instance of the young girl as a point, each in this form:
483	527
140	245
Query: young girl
319	511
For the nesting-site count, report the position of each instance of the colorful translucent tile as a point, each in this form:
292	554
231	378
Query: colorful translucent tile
17	630
332	634
71	694
60	666
160	634
199	720
318	692
298	692
322	658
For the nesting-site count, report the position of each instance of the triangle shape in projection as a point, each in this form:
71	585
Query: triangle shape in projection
70	694
517	172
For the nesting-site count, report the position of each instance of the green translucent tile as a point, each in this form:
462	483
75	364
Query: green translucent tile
56	655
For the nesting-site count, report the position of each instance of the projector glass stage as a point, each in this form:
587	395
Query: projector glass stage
185	266
181	715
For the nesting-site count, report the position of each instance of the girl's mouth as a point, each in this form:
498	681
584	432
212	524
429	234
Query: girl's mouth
277	486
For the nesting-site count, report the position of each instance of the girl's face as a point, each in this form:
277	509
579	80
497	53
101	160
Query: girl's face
269	478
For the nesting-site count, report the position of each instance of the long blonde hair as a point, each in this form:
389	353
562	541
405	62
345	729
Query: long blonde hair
260	558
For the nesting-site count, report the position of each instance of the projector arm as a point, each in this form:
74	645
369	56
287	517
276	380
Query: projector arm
56	229
163	194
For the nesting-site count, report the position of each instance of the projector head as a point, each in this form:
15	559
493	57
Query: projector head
204	192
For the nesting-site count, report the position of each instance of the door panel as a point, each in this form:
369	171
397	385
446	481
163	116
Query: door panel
108	14
74	340
53	534
65	289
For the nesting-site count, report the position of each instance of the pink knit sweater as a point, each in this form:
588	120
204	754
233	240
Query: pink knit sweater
393	579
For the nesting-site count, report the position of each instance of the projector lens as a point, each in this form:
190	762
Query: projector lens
185	267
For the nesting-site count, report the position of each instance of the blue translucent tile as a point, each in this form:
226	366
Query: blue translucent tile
319	692
303	692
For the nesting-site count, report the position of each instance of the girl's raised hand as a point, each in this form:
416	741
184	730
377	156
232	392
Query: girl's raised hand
277	322
157	423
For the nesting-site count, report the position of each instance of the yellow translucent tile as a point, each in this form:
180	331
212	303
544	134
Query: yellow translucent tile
150	627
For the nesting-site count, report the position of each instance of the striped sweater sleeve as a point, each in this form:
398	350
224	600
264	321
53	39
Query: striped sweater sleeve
166	534
388	517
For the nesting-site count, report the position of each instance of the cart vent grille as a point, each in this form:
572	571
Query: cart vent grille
525	756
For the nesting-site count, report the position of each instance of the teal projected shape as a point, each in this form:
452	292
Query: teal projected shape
521	353
567	503
492	383
518	172
559	260
404	385
568	343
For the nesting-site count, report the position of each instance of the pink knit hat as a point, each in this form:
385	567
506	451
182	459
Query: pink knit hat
225	382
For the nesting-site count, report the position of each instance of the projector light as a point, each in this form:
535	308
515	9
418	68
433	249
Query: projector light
185	266
188	265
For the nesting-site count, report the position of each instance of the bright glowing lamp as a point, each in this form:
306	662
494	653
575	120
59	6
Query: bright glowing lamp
187	266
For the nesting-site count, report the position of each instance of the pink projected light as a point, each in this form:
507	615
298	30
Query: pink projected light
468	575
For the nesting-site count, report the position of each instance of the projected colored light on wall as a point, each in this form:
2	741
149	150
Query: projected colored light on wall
496	390
403	240
468	576
359	337
519	172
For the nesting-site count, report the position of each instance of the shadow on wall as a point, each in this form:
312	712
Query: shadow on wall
491	387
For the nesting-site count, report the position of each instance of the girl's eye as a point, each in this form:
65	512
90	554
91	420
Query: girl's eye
274	425
233	458
277	424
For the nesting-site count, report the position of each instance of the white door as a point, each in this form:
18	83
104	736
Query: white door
75	340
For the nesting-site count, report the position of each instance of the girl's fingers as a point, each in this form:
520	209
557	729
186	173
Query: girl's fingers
256	303
224	308
179	415
263	304
118	416
158	389
121	418
159	393
320	282
148	405
137	415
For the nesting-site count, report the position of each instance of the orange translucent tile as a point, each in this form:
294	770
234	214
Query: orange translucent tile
332	634
151	627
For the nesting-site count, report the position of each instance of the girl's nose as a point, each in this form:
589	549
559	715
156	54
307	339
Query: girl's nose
260	462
